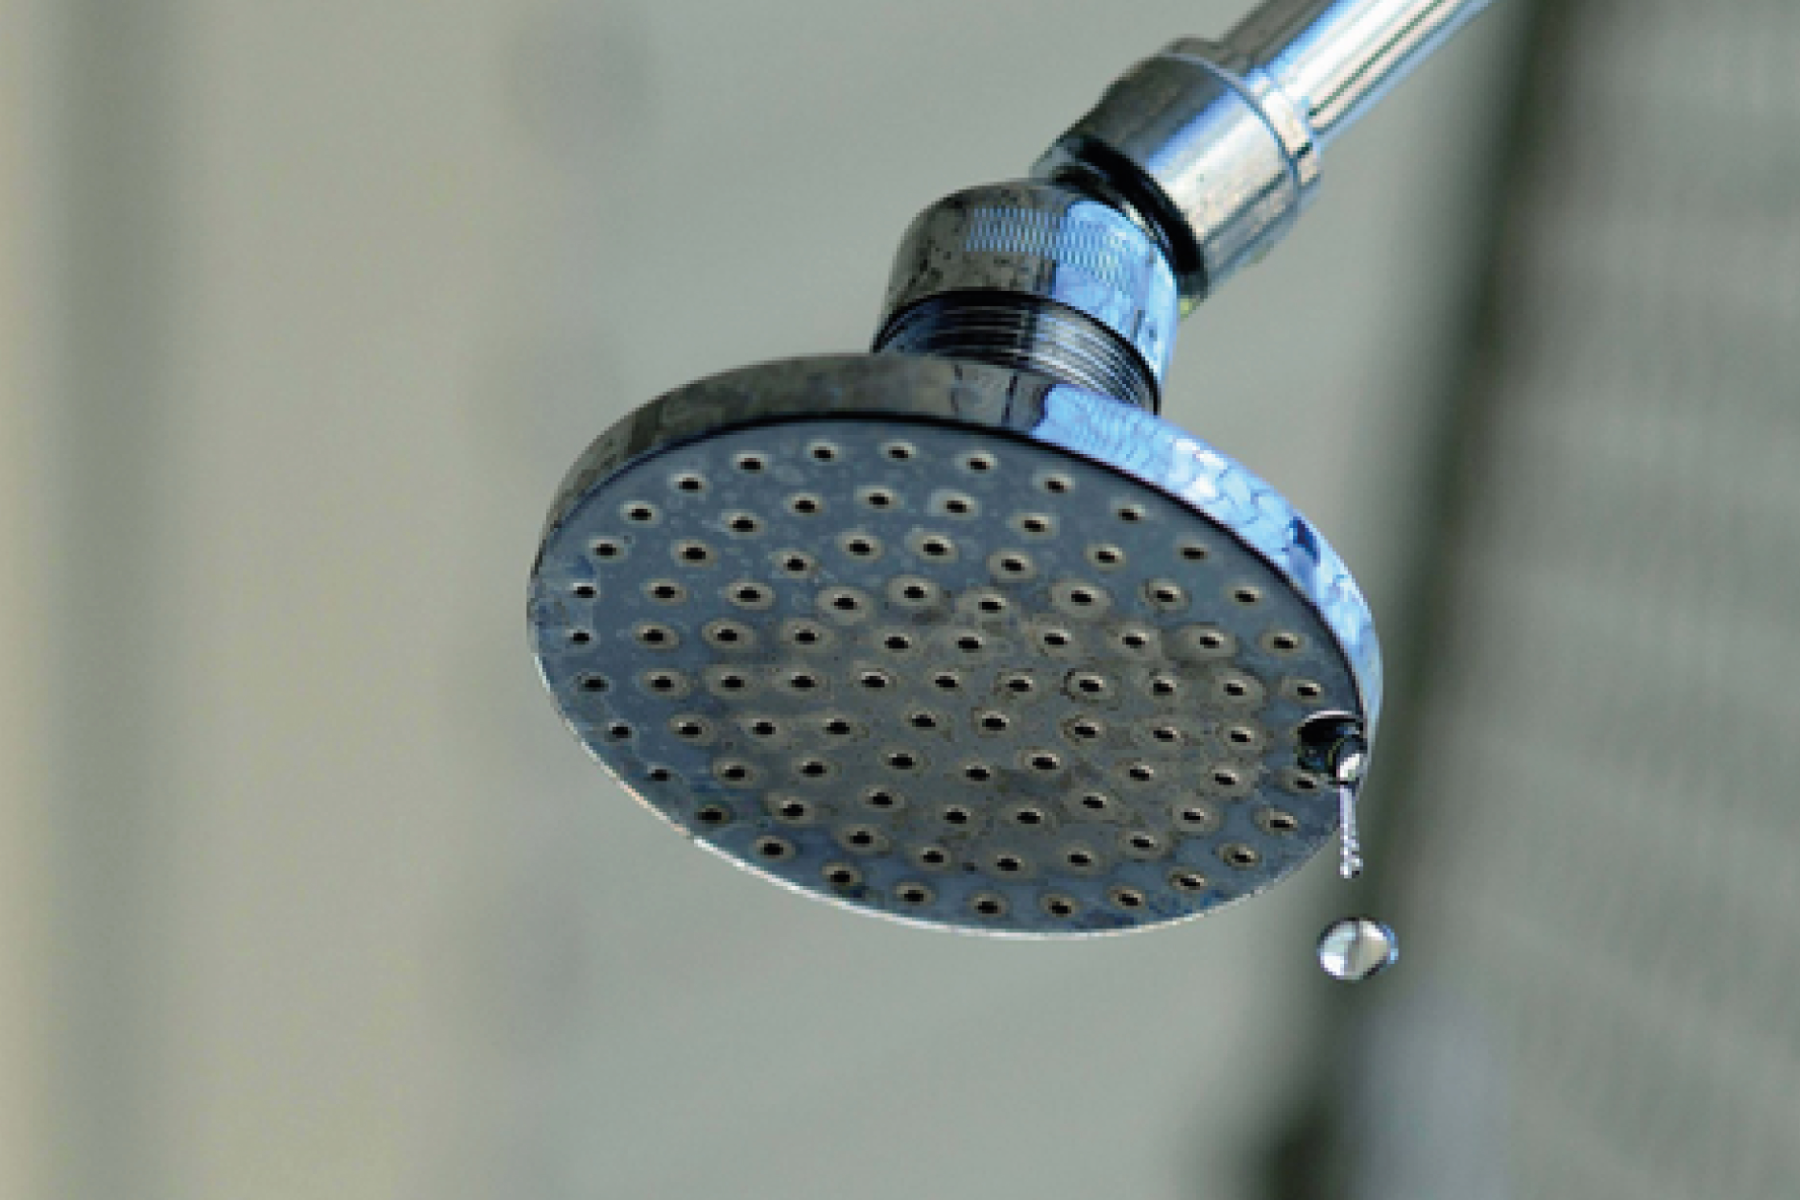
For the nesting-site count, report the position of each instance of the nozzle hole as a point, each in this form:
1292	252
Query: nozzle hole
1240	856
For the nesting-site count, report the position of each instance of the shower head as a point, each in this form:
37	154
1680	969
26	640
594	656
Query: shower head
960	632
951	642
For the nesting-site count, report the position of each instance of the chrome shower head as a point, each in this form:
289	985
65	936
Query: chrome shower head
953	643
960	632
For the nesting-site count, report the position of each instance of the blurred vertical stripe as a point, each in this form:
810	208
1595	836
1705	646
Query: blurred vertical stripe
1601	843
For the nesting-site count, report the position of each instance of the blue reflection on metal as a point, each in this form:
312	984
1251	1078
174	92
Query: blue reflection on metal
1222	488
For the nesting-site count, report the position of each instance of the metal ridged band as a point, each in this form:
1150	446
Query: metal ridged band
1005	329
1044	243
1080	242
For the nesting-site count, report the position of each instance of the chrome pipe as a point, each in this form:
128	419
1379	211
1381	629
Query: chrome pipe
1335	58
1217	145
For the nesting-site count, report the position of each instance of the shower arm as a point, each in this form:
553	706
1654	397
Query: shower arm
1335	58
1215	147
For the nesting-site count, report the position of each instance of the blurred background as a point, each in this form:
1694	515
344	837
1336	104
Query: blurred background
305	891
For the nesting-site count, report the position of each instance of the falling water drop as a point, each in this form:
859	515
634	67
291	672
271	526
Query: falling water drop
1356	948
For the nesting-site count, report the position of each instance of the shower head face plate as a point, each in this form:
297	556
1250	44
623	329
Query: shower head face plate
871	627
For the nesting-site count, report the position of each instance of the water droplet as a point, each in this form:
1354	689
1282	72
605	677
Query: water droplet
1356	948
